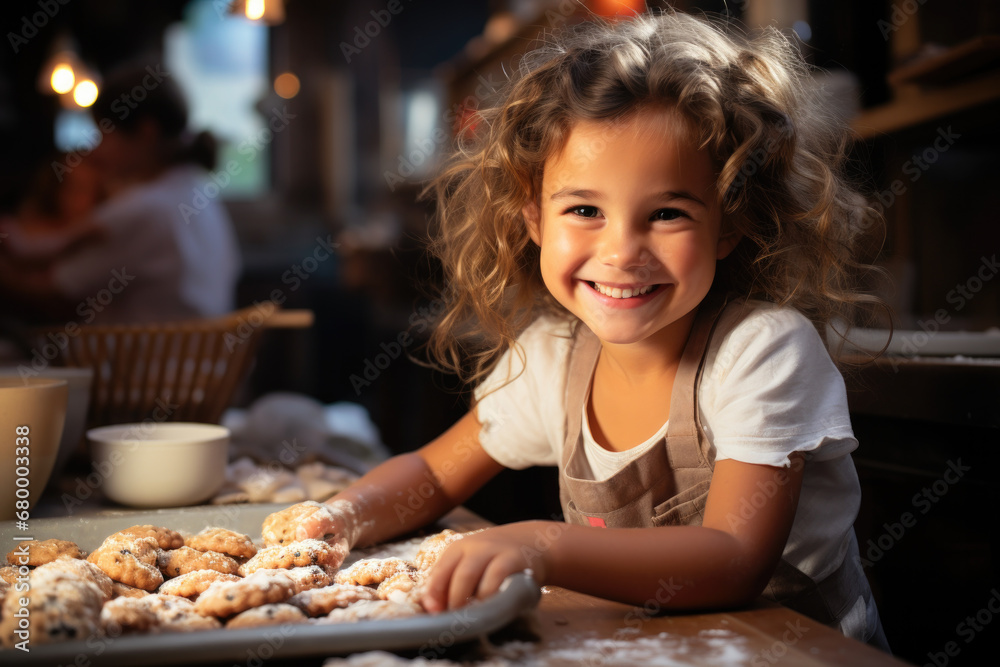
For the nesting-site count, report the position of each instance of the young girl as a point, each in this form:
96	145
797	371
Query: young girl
643	243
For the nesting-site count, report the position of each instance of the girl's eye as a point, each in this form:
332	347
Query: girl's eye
668	214
584	211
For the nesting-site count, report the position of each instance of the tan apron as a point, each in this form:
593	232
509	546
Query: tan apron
668	485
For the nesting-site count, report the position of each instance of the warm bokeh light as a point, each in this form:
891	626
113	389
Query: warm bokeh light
255	9
62	79
622	8
286	85
85	93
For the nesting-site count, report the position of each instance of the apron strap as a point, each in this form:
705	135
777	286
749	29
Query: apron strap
583	357
683	428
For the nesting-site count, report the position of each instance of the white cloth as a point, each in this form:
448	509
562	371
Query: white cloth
769	389
604	463
169	253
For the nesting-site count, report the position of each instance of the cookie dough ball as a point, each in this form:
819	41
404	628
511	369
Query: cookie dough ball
40	552
296	554
193	584
432	548
165	538
130	560
222	540
83	570
227	598
268	614
321	601
153	614
61	607
372	571
180	561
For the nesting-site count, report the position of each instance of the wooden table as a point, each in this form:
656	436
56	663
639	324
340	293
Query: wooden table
570	628
574	629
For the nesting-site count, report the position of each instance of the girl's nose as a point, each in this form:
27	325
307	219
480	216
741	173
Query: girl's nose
621	246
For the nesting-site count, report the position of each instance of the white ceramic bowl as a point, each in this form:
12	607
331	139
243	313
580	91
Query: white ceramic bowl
32	412
159	464
79	380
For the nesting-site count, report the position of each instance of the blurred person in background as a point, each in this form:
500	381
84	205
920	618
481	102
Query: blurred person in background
155	249
54	214
55	201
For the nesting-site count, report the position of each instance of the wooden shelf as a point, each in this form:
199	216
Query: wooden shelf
916	106
962	392
949	64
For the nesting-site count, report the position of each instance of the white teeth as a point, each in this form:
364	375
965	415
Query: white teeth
619	293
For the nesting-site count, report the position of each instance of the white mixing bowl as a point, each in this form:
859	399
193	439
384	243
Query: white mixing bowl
159	464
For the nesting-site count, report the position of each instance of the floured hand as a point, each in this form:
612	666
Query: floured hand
331	521
308	520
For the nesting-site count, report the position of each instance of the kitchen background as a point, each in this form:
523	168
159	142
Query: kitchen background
336	113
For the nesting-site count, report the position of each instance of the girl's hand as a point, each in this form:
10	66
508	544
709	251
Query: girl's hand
310	520
475	566
334	521
320	526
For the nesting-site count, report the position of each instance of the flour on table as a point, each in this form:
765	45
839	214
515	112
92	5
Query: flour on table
383	659
715	648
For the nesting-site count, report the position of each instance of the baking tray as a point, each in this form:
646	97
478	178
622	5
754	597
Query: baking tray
428	634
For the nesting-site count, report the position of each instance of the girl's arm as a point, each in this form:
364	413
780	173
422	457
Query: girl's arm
725	562
407	491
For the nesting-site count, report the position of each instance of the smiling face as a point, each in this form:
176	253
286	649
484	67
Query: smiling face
629	227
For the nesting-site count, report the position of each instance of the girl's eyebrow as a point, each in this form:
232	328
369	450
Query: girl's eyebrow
681	194
566	193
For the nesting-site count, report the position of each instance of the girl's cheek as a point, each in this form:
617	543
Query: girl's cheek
566	247
696	255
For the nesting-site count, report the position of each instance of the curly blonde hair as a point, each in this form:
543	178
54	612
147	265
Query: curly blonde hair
780	159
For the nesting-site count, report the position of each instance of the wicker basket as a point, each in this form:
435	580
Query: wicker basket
174	371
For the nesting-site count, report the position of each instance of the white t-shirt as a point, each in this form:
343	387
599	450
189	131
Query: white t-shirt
769	389
604	463
169	253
